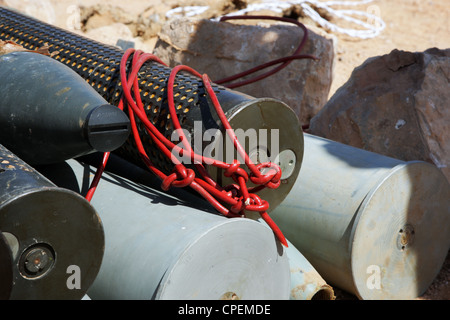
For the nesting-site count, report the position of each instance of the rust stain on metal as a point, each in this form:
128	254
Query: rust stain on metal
230	296
313	278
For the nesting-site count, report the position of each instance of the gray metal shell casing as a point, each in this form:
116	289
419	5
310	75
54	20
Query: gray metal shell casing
161	247
6	269
374	226
50	114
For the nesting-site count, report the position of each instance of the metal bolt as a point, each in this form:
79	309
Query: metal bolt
36	261
405	237
286	160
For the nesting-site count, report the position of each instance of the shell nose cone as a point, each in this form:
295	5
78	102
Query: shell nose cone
107	128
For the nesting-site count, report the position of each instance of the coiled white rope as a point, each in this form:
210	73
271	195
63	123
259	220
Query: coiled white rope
187	11
372	26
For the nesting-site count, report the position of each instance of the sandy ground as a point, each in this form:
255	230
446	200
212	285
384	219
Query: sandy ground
411	25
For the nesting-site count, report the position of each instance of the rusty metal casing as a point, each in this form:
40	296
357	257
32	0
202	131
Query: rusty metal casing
306	282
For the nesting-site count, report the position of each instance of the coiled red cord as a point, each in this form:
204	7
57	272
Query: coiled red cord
236	196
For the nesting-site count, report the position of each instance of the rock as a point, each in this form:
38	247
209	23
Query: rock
42	10
223	49
396	105
110	34
144	25
150	21
117	33
100	15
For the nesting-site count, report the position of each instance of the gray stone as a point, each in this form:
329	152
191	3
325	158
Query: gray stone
223	49
396	105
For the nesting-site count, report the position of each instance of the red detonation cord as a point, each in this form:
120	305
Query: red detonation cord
238	196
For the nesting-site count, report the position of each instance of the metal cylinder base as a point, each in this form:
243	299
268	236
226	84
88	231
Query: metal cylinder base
372	225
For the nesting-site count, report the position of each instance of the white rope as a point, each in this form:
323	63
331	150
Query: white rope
370	30
346	3
188	11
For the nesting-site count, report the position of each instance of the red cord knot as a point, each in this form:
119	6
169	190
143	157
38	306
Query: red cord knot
271	179
256	204
185	176
232	190
252	203
235	171
239	207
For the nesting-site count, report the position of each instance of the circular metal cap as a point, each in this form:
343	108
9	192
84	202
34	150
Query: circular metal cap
279	140
58	231
107	128
402	233
239	259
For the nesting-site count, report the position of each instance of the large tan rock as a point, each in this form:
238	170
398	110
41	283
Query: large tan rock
397	105
223	49
114	33
42	10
